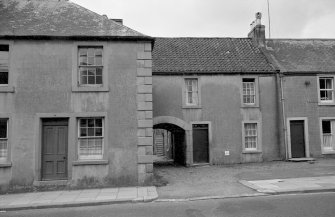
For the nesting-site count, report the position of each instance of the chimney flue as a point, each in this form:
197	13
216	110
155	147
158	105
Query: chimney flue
257	32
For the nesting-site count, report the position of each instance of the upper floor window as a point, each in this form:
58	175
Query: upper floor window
192	92
326	89
4	59
249	91
90	65
3	139
90	138
328	135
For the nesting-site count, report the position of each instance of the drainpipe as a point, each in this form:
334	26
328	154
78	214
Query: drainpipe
283	128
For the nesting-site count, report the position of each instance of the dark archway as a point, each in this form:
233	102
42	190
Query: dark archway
172	143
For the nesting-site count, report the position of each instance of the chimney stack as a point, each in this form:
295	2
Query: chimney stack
257	32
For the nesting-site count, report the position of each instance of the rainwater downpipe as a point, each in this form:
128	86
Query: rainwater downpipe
282	100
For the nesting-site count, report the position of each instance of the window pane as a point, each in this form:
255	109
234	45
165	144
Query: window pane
98	52
329	83
90	52
83	60
82	52
3	149
98	122
99	71
3	76
83	132
3	128
90	61
91	122
83	79
326	127
98	60
91	80
322	83
91	71
99	80
83	122
98	132
90	131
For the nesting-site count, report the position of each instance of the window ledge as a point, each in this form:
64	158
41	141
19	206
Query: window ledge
326	103
251	152
192	107
7	89
89	162
249	106
90	89
328	152
3	165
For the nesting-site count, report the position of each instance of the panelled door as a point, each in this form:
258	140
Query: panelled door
297	138
200	143
54	149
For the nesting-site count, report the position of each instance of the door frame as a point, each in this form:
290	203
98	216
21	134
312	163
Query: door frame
305	120
209	140
38	137
60	122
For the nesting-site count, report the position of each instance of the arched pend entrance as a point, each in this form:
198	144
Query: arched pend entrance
171	139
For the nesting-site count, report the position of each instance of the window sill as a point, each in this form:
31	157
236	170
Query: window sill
7	89
3	165
89	162
90	89
326	103
192	107
251	152
328	152
249	106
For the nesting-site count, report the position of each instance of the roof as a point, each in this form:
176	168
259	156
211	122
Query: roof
208	55
302	55
56	18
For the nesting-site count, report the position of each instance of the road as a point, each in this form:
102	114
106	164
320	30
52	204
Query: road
302	205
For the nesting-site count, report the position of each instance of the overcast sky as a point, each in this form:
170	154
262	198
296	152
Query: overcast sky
220	18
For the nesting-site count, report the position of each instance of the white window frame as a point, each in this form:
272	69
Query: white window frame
247	91
258	147
256	98
8	88
5	158
327	150
76	83
197	102
79	138
94	66
326	102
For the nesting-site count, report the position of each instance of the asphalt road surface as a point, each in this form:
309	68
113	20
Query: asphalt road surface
301	205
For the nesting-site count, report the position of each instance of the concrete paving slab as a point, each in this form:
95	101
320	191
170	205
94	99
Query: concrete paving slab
304	184
77	198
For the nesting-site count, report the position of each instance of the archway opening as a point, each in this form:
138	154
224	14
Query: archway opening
169	144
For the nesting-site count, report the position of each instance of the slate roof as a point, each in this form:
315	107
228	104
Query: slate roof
56	18
208	55
302	55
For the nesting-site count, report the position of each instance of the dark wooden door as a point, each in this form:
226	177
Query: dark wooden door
297	139
54	149
200	143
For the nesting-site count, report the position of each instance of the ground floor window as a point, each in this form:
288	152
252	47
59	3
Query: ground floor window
250	136
90	138
328	134
3	140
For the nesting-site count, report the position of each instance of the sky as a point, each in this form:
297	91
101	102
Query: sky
220	18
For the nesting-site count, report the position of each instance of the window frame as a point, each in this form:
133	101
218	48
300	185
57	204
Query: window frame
256	90
8	88
76	86
326	102
323	150
258	148
185	92
7	162
79	137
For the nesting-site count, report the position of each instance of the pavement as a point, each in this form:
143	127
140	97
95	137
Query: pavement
194	183
73	198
